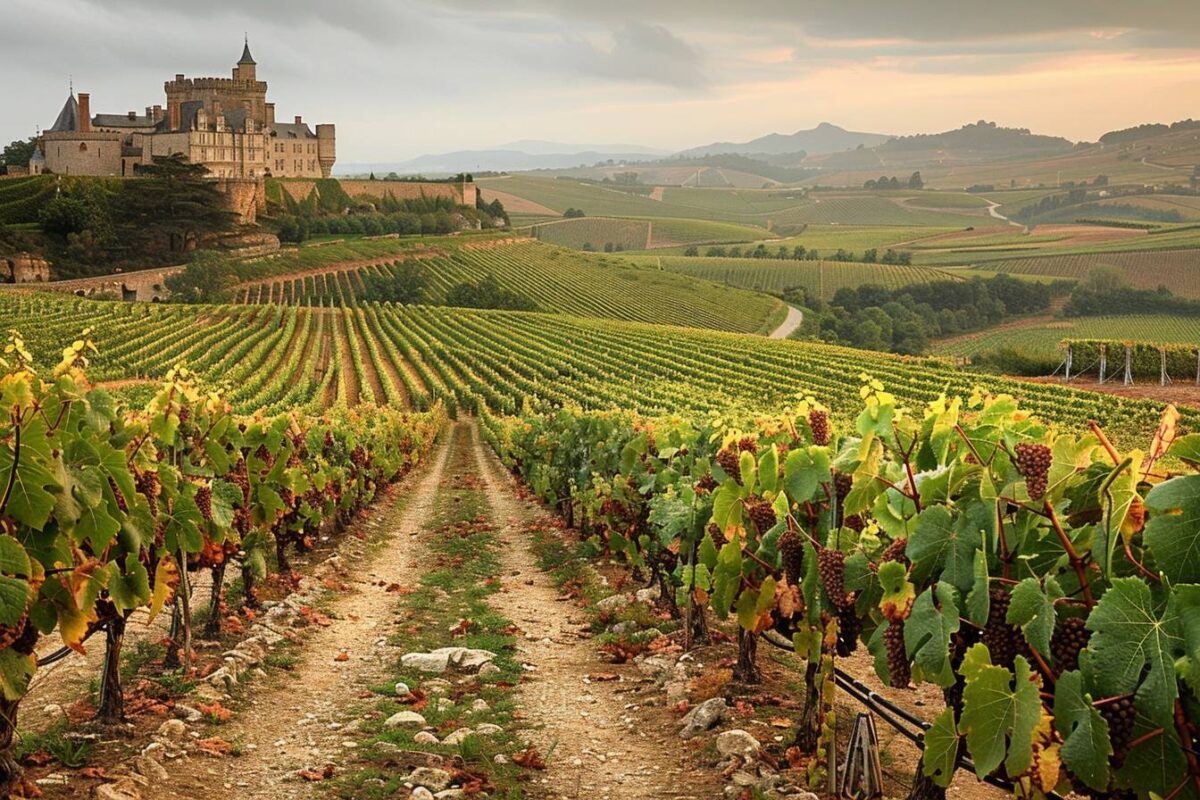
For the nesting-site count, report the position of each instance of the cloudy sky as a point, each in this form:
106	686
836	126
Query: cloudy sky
403	77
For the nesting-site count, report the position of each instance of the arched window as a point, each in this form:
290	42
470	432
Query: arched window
83	147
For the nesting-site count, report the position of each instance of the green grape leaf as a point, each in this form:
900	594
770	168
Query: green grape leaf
225	496
1173	532
768	470
943	544
95	524
130	588
15	595
1086	747
1156	765
31	498
13	558
940	757
1134	644
804	471
927	633
1188	600
1187	448
1001	710
1068	455
979	601
16	670
727	578
866	488
1031	607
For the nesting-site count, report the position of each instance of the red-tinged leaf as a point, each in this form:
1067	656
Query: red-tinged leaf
93	772
603	677
215	745
529	759
38	758
313	776
342	656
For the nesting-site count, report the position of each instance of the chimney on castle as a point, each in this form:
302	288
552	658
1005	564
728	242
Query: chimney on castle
157	114
131	115
173	111
299	121
85	112
270	114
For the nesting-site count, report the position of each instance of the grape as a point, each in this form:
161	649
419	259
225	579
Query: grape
204	501
849	628
818	423
731	463
842	483
148	485
895	552
706	484
791	551
761	513
1120	716
1003	641
748	444
121	505
855	522
897	657
718	535
831	567
1070	637
1033	462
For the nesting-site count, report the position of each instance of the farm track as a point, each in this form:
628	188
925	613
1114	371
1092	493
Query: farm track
348	388
790	324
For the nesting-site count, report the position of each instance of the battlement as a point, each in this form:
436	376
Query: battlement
182	84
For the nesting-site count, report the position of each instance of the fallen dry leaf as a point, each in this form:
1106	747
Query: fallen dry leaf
604	676
529	759
215	745
342	656
312	775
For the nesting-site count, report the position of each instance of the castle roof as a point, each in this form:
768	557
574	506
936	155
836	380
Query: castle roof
37	157
68	118
290	130
122	121
246	57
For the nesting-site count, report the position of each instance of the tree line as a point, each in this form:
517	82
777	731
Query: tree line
801	253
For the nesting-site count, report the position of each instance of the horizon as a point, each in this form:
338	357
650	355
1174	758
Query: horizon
676	78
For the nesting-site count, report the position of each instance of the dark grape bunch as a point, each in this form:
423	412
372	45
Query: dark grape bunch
761	513
791	552
818	423
899	669
718	535
706	484
895	552
730	461
1120	716
1070	637
855	522
1003	641
842	483
1033	462
150	488
831	567
849	628
204	501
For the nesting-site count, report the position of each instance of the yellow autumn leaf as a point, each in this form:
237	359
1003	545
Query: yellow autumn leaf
166	578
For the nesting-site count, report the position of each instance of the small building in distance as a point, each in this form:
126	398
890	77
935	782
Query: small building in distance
226	124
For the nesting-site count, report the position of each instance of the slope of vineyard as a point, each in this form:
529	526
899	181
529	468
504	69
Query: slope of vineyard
555	279
595	233
1175	269
21	199
1043	337
821	278
276	357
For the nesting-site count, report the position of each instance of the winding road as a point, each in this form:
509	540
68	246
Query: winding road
790	324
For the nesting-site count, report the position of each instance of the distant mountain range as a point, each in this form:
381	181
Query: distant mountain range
512	157
825	138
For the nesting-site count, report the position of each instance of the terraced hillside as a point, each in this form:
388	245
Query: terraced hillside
554	278
819	278
1178	270
608	233
274	356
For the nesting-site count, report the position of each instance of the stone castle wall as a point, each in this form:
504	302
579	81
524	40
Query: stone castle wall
83	153
246	197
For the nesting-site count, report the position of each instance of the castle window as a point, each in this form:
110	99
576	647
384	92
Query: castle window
83	147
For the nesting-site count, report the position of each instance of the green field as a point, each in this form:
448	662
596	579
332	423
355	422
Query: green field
1043	338
641	234
22	198
275	357
1178	270
556	279
822	278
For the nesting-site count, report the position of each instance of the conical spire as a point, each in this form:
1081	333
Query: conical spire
68	118
246	57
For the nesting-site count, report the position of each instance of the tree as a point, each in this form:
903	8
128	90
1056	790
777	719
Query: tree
573	213
208	278
18	153
692	251
1105	278
488	293
915	182
405	286
174	201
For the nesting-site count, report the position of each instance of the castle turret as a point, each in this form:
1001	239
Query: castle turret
246	69
326	148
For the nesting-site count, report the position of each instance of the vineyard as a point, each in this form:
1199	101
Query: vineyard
554	279
1174	269
277	357
21	199
595	233
820	278
1044	338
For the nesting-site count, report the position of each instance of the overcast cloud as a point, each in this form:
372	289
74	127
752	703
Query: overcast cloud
401	77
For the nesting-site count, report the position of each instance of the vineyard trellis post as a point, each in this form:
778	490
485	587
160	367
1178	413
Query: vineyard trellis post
1067	374
1103	361
1128	365
1198	366
1163	377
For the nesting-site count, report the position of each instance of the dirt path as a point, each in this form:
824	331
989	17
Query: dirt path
793	320
602	744
293	724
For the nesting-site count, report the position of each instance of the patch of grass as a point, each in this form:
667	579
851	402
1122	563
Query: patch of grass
450	608
71	753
